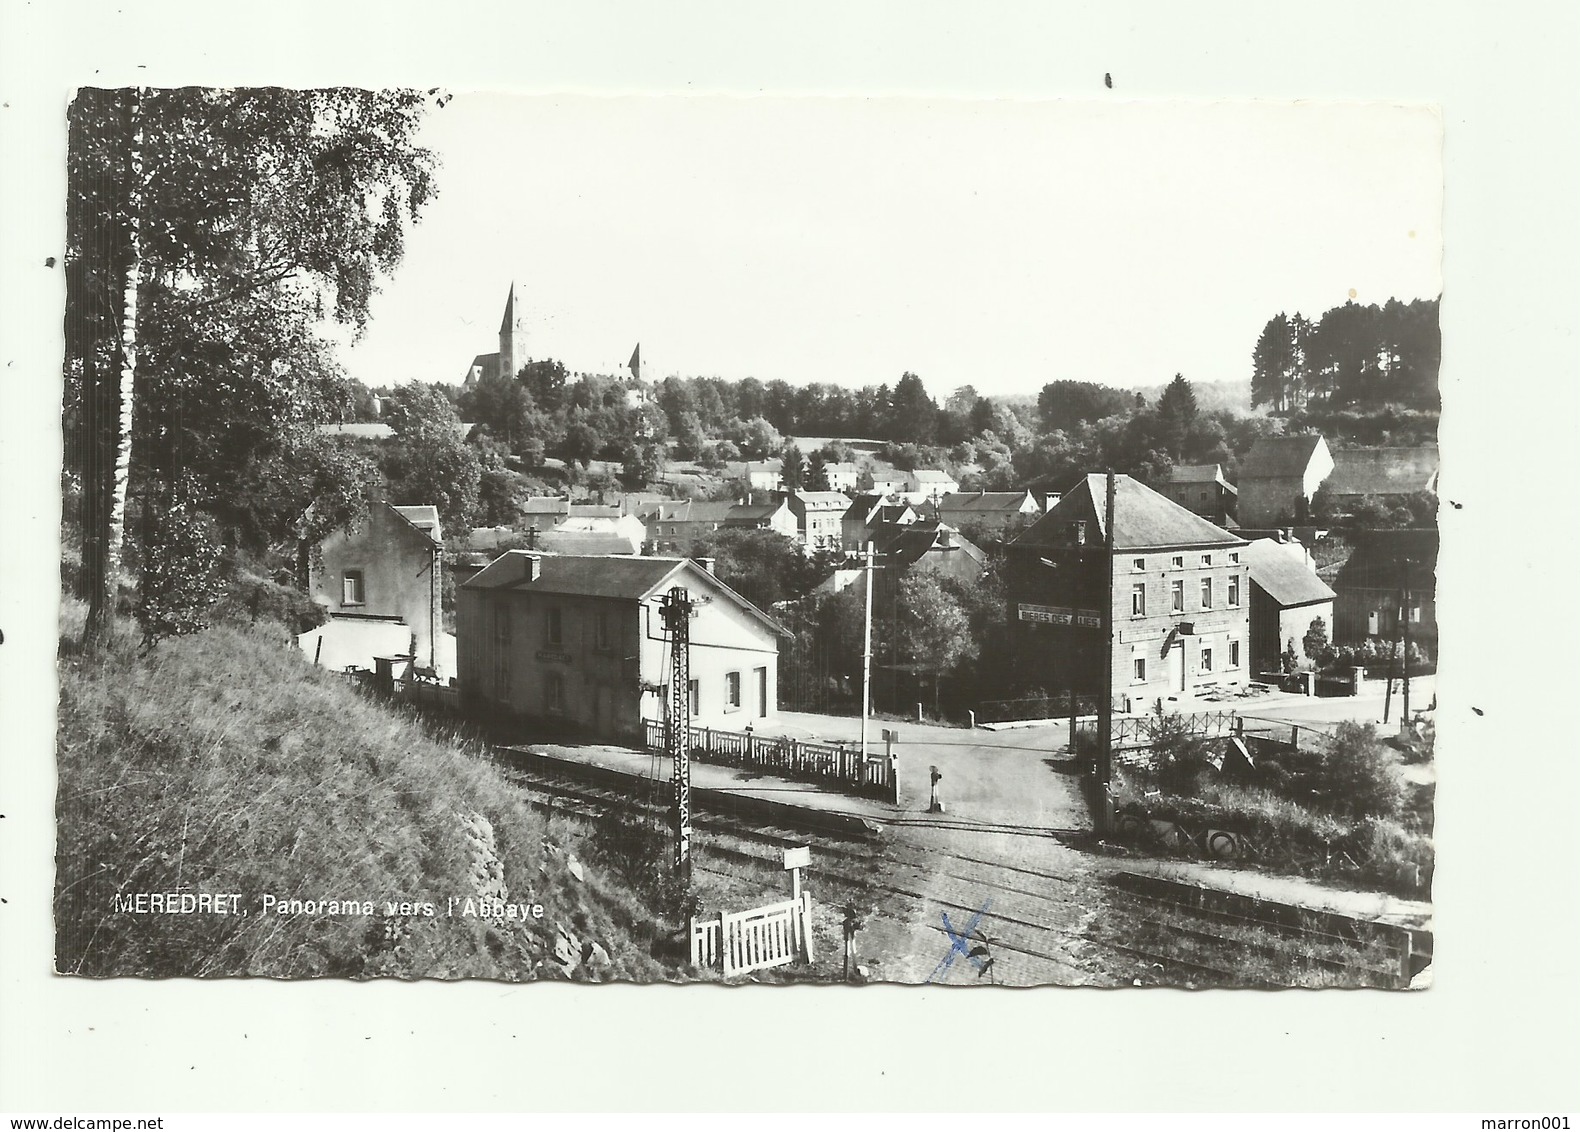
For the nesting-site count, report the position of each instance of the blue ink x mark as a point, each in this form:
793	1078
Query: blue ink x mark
960	942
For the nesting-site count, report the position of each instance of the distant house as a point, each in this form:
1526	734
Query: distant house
1278	478
380	583
580	640
775	516
1389	474
927	485
1286	596
359	430
1386	572
991	511
864	516
1202	488
899	548
1180	613
765	475
842	476
889	483
622	535
818	516
676	525
545	511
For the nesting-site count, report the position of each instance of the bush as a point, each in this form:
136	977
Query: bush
1358	776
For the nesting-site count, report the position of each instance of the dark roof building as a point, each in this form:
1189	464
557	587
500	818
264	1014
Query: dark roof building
1383	471
1278	478
1143	520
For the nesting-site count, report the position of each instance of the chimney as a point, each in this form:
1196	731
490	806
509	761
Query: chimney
706	563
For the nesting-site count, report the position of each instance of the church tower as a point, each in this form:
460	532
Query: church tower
512	336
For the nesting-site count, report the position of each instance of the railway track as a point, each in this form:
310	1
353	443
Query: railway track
1044	925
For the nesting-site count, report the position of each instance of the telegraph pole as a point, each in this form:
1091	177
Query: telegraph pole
1404	622
676	608
866	657
1105	706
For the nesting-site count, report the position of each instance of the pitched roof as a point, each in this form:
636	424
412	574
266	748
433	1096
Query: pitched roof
622	577
984	501
593	511
561	541
753	512
824	500
425	517
1195	473
907	543
1143	519
1280	456
1280	572
842	466
1381	559
1382	471
932	475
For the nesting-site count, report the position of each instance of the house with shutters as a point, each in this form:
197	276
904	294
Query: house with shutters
579	641
774	516
380	583
1179	587
1279	476
842	475
1286	596
1203	489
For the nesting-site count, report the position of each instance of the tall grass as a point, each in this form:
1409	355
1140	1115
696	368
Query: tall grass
224	763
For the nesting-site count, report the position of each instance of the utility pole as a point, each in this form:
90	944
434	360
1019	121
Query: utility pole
676	608
1105	706
866	657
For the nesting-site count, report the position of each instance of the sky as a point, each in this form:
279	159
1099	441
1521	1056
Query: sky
1000	243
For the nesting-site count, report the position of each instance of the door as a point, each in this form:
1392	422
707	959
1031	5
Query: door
1176	660
762	693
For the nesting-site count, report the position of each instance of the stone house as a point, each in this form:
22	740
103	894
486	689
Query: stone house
1388	571
1278	478
381	584
1286	596
579	641
865	514
1181	610
991	511
1202	488
819	518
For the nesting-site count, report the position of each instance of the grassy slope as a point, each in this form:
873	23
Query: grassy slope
224	763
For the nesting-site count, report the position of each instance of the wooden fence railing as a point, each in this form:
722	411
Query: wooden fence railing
1142	731
835	763
773	935
423	693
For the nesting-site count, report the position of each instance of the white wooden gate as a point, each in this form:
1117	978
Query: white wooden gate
771	936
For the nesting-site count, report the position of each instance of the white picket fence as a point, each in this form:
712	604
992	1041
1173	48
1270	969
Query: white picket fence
773	935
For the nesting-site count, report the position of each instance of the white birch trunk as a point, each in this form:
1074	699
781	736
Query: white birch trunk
123	434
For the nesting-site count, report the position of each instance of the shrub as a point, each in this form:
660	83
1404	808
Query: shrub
1358	776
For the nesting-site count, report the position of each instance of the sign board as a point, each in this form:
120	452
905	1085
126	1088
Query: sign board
554	655
798	858
1060	615
891	735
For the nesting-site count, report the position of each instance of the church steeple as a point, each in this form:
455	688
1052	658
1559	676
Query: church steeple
512	336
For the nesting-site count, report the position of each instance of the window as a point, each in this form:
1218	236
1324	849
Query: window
1206	560
1234	557
1138	600
1203	497
1141	670
351	592
554	693
1206	659
1234	654
1138	564
1178	561
1206	593
554	628
1177	596
732	691
1234	591
1415	613
694	688
601	633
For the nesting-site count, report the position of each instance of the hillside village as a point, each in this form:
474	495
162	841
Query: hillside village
1140	667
